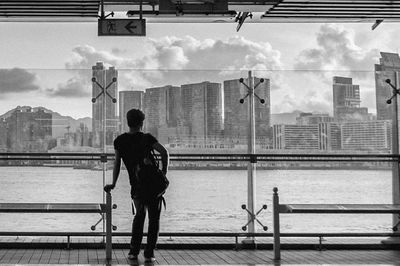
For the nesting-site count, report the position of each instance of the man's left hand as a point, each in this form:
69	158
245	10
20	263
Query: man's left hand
109	187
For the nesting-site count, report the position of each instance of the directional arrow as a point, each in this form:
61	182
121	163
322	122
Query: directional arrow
129	27
122	27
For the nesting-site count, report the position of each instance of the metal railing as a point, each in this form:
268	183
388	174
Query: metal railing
265	158
321	237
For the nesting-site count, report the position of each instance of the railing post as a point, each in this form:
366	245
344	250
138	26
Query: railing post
108	226
277	242
251	168
395	151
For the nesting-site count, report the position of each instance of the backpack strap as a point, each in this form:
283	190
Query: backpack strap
149	152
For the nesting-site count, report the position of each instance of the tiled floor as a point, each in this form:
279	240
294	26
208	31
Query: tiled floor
202	257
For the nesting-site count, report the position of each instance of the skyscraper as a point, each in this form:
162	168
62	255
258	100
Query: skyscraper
127	101
104	77
389	65
162	107
346	101
236	115
202	109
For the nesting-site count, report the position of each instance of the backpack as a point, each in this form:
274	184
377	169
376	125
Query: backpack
151	181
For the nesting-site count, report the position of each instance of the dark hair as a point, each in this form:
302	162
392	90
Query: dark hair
135	118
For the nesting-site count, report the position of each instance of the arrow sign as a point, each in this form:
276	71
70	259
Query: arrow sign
129	27
122	27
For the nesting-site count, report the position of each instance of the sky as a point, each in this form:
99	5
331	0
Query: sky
49	64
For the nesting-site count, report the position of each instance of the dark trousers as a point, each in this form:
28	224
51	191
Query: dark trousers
153	209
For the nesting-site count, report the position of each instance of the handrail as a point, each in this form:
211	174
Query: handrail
236	235
270	157
201	234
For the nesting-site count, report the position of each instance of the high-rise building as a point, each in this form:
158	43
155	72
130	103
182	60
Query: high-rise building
129	100
104	77
389	65
29	131
236	115
366	135
346	101
320	136
202	109
162	107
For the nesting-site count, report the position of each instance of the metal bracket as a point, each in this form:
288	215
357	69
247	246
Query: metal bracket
104	90
241	17
241	80
93	227
395	91
376	24
253	217
102	16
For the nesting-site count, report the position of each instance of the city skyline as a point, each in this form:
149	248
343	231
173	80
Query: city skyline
300	71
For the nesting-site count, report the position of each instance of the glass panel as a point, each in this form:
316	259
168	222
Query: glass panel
199	112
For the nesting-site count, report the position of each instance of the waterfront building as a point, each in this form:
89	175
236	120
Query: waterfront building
346	101
320	136
162	106
28	130
386	69
313	119
366	135
236	115
202	109
329	136
104	77
129	100
303	137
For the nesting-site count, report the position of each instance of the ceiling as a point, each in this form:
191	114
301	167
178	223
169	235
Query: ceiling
262	10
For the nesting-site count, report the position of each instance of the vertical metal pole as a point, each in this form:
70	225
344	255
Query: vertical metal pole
108	226
395	149
251	168
277	240
104	168
102	9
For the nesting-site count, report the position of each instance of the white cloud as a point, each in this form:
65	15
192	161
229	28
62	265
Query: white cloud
336	54
176	61
336	50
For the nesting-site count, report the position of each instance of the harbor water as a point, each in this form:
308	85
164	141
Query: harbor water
200	200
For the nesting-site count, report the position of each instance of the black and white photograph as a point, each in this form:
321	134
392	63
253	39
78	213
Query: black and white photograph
199	132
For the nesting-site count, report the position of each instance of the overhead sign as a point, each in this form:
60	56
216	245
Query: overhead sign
122	27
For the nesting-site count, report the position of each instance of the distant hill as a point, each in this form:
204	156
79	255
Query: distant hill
285	118
60	122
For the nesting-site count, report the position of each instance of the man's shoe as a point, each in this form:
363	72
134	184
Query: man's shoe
149	260
132	256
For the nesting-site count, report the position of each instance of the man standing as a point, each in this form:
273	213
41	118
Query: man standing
131	147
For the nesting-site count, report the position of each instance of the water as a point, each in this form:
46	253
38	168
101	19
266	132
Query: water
200	201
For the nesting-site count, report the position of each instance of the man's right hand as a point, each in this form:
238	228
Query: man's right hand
109	187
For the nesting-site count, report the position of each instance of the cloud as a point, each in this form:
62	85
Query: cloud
176	61
73	88
336	50
336	53
17	80
312	101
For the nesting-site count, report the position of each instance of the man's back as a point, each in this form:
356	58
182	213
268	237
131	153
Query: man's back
131	147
